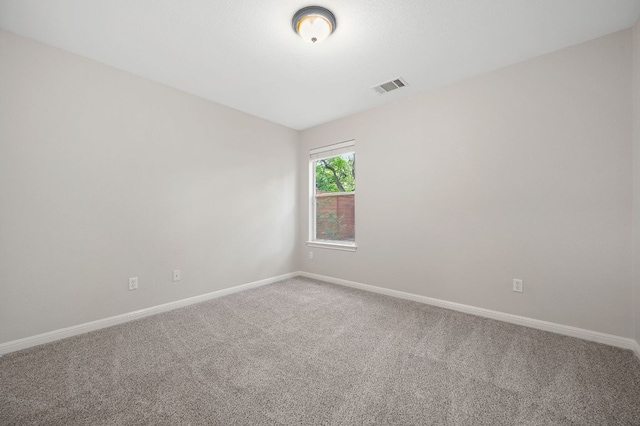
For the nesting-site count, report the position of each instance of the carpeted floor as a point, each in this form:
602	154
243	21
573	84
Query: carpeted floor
302	352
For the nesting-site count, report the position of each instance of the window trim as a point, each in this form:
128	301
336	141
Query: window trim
332	245
316	154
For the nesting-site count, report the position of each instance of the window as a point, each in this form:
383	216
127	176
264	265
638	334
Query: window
333	178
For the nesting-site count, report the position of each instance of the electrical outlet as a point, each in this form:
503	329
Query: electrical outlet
133	283
176	275
310	255
518	285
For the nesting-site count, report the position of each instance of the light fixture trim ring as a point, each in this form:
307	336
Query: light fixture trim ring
314	10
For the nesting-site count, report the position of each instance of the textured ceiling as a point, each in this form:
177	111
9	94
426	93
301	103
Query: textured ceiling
244	54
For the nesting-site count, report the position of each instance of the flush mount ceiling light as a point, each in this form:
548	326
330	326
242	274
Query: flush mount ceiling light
314	23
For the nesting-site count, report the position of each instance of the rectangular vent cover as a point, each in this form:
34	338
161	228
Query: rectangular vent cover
390	85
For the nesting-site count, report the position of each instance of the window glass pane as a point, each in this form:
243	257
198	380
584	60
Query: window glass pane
335	218
336	174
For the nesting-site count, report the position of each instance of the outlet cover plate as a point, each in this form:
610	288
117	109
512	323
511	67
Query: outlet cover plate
518	285
133	283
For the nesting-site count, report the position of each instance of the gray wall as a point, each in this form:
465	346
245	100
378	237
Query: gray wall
524	172
105	175
636	174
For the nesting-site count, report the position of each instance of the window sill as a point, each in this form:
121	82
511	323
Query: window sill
333	245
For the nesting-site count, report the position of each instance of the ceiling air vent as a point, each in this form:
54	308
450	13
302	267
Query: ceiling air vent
390	85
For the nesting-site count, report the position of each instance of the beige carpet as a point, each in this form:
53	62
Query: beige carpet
302	352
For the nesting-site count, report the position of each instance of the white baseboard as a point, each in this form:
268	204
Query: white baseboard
593	336
62	333
636	349
580	333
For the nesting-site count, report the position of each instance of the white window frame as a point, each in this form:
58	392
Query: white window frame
318	154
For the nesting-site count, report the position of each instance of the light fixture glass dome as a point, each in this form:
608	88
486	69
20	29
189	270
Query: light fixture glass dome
314	23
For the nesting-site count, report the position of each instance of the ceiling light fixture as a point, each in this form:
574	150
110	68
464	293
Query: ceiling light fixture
314	23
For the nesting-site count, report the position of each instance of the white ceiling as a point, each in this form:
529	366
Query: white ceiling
244	53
